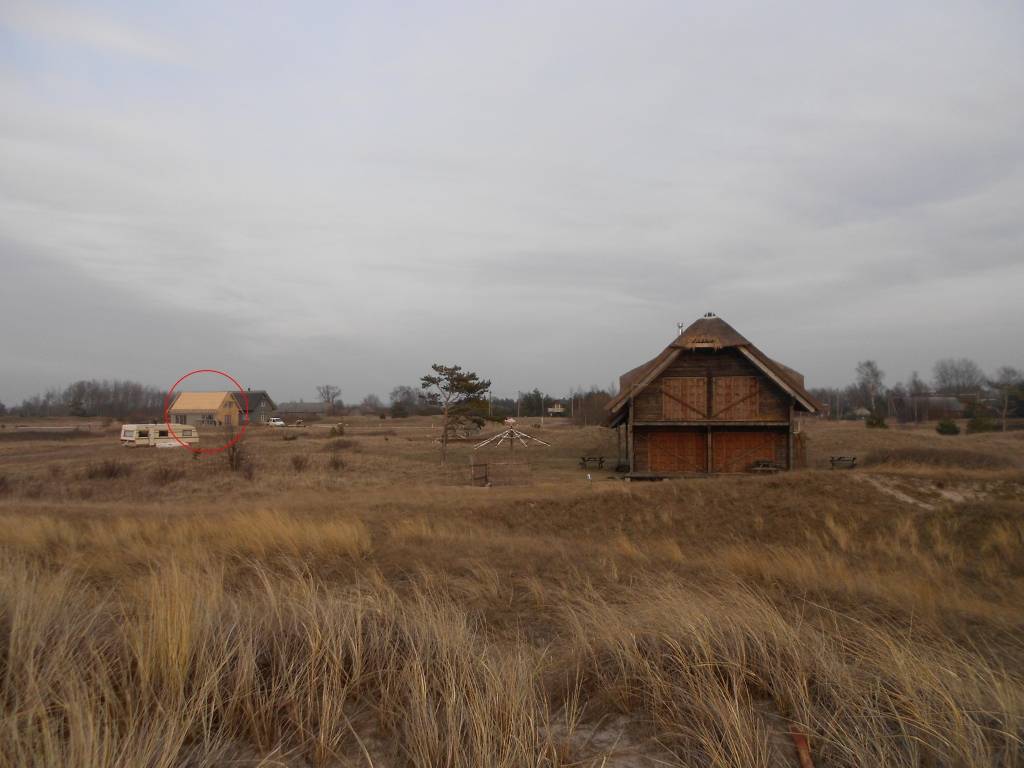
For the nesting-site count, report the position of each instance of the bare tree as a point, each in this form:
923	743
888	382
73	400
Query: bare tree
869	379
1008	382
329	394
97	398
958	376
452	389
916	385
916	388
405	401
371	404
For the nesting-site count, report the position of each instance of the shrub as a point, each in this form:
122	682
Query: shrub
342	445
5	485
164	475
300	462
980	424
876	421
288	438
249	471
235	456
335	462
947	427
110	469
337	430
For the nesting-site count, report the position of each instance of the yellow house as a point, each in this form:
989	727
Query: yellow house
205	409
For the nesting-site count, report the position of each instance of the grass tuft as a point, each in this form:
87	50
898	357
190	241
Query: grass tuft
108	469
951	458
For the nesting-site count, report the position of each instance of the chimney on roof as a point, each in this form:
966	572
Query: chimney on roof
680	326
709	314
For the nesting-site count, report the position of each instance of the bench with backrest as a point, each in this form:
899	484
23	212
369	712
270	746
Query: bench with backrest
843	462
588	461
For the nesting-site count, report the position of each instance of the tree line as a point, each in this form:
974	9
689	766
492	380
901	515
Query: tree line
998	395
582	406
93	397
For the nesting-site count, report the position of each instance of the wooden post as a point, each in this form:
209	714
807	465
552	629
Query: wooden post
789	452
629	437
709	413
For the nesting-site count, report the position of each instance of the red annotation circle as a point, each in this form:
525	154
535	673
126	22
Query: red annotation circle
243	425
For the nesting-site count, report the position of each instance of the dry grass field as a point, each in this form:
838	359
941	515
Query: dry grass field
342	601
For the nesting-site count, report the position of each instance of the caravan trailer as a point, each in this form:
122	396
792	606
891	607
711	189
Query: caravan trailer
158	435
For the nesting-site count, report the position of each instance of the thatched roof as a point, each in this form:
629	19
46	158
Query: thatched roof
711	332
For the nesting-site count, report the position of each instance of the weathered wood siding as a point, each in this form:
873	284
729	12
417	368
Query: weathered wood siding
670	450
736	450
703	384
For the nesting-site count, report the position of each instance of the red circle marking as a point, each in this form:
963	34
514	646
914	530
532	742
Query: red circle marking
243	425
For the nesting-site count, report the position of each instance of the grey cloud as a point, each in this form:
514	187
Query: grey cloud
538	191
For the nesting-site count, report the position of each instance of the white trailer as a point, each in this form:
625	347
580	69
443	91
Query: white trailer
158	435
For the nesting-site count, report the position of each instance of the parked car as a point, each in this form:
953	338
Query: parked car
274	421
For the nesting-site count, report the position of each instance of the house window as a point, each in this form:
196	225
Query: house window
162	433
143	433
180	419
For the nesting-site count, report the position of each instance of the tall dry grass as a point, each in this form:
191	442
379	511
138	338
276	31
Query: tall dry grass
365	614
324	637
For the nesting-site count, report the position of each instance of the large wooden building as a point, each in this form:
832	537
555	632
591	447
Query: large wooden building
710	402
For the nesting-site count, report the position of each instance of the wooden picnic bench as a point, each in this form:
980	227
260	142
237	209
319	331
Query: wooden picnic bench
763	465
587	461
843	462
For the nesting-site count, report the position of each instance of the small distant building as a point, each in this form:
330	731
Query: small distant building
221	409
302	410
860	413
556	409
256	404
204	409
934	407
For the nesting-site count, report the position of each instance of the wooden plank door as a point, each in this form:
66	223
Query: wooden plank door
737	451
684	398
735	397
678	450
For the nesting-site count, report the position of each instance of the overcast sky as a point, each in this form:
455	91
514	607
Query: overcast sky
301	193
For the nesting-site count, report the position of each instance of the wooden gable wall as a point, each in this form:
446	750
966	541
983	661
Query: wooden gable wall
707	385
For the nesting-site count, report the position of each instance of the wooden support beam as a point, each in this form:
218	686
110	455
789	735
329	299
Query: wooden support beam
789	450
629	437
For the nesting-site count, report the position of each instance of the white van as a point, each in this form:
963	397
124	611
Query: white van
157	435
